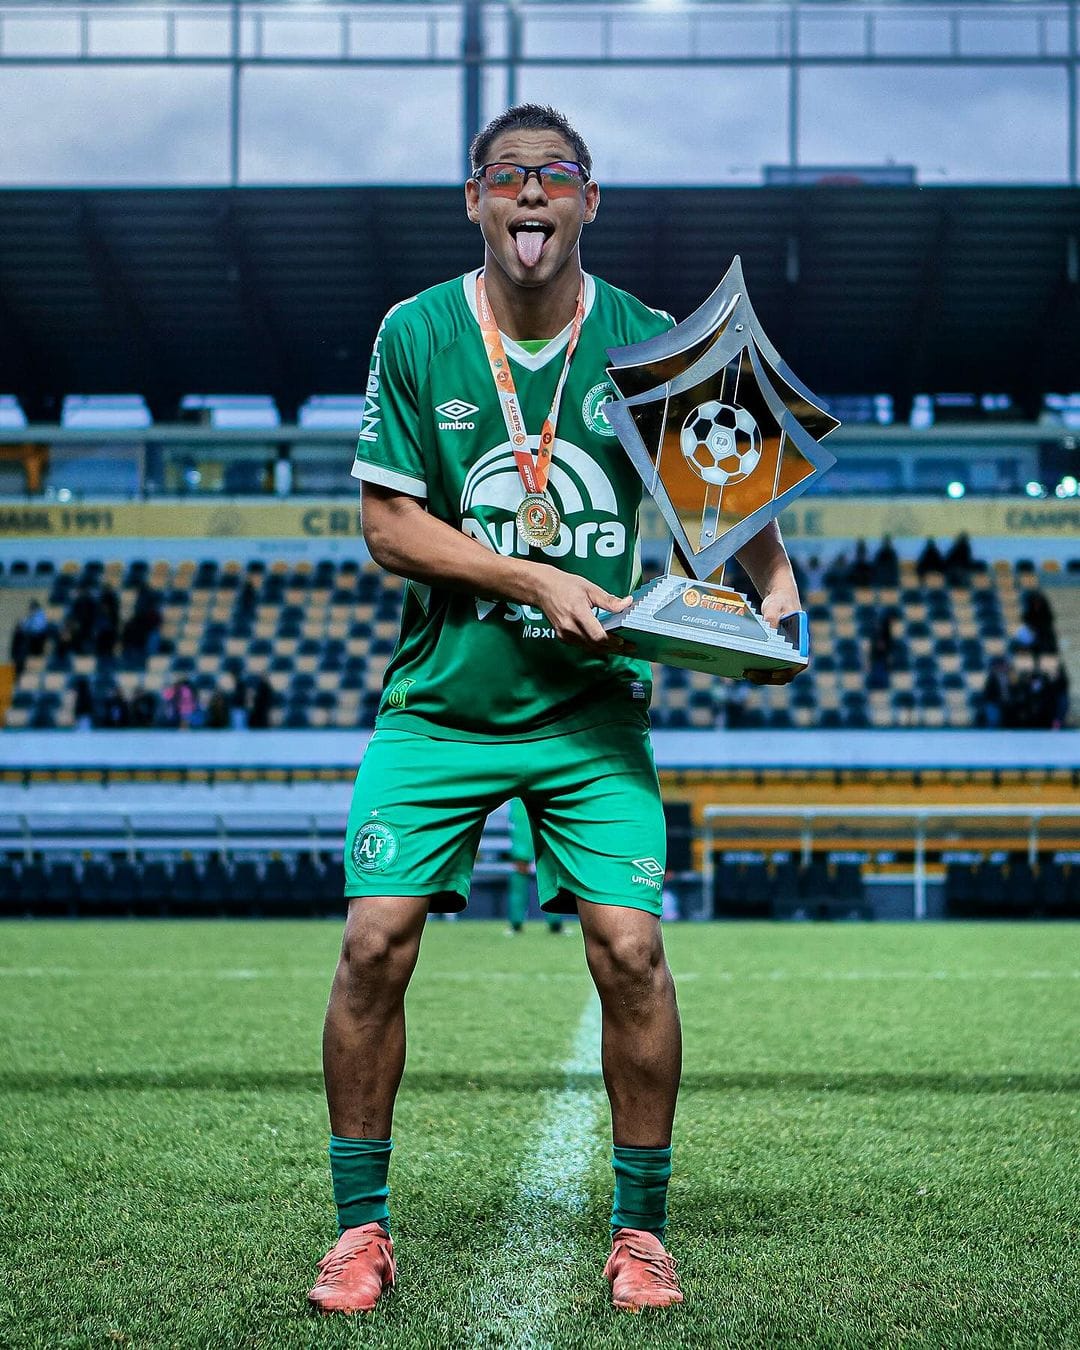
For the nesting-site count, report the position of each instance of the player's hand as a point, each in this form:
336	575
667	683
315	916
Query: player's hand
568	602
773	608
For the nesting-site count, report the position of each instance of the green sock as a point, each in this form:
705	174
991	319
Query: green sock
359	1169
641	1182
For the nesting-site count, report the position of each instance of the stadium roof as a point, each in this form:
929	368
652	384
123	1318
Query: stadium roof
281	290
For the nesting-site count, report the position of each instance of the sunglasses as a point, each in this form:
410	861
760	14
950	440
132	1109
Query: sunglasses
560	178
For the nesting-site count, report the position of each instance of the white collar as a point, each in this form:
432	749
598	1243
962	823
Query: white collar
517	353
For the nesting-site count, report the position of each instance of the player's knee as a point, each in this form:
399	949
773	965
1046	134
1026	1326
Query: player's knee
375	956
625	961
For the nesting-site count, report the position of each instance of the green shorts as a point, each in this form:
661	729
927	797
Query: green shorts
419	807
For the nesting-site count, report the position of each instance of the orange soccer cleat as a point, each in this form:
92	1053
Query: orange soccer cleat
356	1272
641	1272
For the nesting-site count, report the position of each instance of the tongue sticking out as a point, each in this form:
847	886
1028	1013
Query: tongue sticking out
530	244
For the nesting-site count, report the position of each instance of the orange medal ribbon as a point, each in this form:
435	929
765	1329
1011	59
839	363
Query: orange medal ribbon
533	473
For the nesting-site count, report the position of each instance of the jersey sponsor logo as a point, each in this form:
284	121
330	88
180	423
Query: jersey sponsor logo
579	487
592	408
372	414
374	846
456	412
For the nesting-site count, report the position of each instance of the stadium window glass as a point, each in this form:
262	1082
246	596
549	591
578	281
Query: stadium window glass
922	33
40	34
1057	35
562	31
203	34
825	34
130	35
145	126
302	34
380	32
955	124
349	126
740	121
651	35
735	34
1013	34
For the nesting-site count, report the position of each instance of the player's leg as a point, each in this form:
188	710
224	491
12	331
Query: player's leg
642	1039
517	896
415	822
602	846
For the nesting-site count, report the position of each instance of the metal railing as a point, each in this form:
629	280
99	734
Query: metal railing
920	817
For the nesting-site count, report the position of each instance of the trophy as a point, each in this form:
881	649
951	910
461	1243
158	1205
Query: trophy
724	437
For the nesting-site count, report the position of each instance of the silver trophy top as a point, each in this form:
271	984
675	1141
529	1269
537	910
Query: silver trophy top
722	433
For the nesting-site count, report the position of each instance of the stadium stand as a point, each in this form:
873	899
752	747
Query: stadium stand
315	637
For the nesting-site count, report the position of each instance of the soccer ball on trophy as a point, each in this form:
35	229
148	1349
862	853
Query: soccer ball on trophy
721	443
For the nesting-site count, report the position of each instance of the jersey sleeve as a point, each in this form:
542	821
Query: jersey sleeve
389	449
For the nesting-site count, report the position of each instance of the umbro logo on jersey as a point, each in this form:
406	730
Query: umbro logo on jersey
456	412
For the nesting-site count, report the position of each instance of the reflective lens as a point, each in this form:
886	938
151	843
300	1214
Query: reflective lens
560	178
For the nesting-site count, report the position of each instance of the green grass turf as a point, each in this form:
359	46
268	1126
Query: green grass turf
876	1143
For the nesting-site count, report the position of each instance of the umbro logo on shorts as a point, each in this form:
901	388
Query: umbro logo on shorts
456	411
652	870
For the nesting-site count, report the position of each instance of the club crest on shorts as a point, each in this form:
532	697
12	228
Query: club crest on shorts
374	846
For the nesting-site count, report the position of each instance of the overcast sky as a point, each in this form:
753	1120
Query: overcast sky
108	124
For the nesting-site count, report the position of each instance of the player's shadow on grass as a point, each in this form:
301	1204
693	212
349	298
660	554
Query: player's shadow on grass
512	1081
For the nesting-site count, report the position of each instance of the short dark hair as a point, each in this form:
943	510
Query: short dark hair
529	117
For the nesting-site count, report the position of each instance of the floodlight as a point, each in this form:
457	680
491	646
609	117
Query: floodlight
955	489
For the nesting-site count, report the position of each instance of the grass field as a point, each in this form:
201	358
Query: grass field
877	1141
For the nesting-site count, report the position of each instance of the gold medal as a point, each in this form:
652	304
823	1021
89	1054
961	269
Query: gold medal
537	520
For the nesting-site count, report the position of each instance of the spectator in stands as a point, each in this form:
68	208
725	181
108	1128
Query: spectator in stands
178	705
84	613
112	712
238	710
217	714
262	700
106	623
1057	694
248	599
20	648
37	627
84	705
142	631
29	636
881	652
837	573
861	573
886	564
996	694
1038	618
929	560
814	574
144	708
959	560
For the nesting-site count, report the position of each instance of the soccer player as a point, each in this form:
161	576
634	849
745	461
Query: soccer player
493	483
522	863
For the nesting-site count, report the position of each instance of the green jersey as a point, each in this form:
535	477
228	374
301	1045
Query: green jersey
466	667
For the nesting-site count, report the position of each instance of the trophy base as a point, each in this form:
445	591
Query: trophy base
698	626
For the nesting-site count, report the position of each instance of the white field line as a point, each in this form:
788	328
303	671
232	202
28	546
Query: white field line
537	1253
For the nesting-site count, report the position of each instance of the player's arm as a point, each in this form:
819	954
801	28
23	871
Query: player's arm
404	538
769	568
